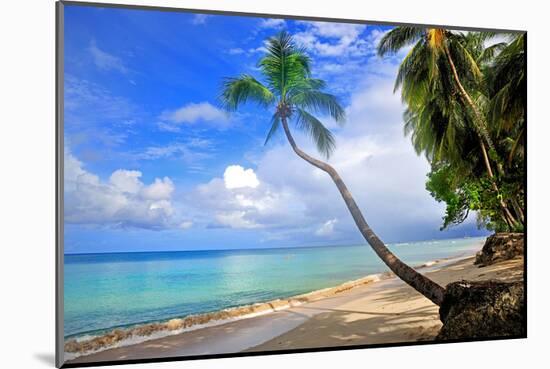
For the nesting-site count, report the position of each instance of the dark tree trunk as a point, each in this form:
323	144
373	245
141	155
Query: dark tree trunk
421	283
518	210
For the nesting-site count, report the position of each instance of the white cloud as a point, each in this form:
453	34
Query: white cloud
122	201
104	60
272	23
327	228
126	180
200	18
350	59
186	225
193	113
241	200
236	219
236	176
160	189
332	39
192	152
257	50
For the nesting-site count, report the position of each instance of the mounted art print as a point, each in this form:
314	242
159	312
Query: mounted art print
236	184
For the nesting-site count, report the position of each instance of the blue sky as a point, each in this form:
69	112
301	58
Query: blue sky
153	163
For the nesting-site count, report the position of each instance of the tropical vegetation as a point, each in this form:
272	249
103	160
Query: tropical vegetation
465	97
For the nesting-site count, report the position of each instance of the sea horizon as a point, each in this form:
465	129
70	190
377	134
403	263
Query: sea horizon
344	244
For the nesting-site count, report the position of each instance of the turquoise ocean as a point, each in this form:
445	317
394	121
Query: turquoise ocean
107	291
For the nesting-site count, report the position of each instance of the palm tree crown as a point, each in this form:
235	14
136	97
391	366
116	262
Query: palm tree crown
444	86
437	114
290	90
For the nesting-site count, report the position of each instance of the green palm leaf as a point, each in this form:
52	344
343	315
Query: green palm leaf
275	124
398	38
322	137
237	91
319	102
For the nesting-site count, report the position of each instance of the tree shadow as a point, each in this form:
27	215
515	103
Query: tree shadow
336	328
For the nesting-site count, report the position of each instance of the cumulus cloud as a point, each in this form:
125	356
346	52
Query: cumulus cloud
193	113
240	200
160	189
126	180
236	176
122	201
105	61
332	39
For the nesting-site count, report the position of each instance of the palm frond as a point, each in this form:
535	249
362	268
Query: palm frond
275	124
490	52
508	85
284	63
323	138
237	91
464	61
319	102
412	64
398	38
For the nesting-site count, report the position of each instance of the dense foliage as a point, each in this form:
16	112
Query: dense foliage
466	98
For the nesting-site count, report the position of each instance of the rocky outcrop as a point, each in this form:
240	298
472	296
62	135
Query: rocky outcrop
482	309
499	247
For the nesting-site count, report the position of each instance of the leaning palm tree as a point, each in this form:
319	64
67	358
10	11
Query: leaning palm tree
438	57
295	97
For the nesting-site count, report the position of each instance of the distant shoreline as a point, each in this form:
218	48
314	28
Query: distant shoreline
76	346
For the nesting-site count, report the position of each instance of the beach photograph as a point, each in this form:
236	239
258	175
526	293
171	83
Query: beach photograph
240	184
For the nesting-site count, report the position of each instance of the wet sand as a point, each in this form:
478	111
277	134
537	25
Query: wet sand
384	311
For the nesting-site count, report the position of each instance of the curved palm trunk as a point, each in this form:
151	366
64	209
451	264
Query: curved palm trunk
483	135
422	284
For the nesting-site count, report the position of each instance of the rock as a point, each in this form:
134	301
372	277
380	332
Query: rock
482	309
499	247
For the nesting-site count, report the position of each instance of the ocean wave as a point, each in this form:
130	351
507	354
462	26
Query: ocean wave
85	345
120	337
